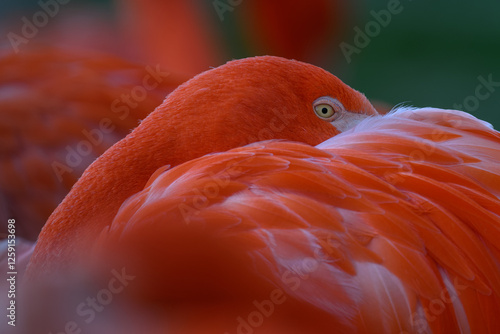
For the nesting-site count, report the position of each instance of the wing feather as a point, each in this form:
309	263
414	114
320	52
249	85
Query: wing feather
392	226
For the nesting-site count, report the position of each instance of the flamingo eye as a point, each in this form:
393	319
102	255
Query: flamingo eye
324	110
326	107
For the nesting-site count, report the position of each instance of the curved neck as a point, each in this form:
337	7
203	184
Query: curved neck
120	172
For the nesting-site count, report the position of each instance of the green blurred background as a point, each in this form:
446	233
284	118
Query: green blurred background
431	54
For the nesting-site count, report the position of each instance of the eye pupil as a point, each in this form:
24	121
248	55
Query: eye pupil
327	108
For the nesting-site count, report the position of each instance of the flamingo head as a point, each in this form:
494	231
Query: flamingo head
257	99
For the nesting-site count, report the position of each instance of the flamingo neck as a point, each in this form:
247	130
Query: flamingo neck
120	172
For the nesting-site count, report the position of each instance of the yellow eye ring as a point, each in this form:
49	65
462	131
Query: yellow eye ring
327	108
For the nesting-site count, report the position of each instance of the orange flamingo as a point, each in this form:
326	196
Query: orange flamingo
388	225
53	105
29	187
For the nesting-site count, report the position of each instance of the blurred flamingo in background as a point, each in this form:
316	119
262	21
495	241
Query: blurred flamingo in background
188	35
60	111
174	33
302	30
389	224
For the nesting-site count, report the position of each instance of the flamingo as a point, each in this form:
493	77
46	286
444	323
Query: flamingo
30	189
52	104
267	196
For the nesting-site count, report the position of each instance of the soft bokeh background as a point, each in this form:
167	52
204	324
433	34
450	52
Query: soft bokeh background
430	54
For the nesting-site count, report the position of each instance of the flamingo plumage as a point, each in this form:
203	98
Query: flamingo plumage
355	222
53	103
